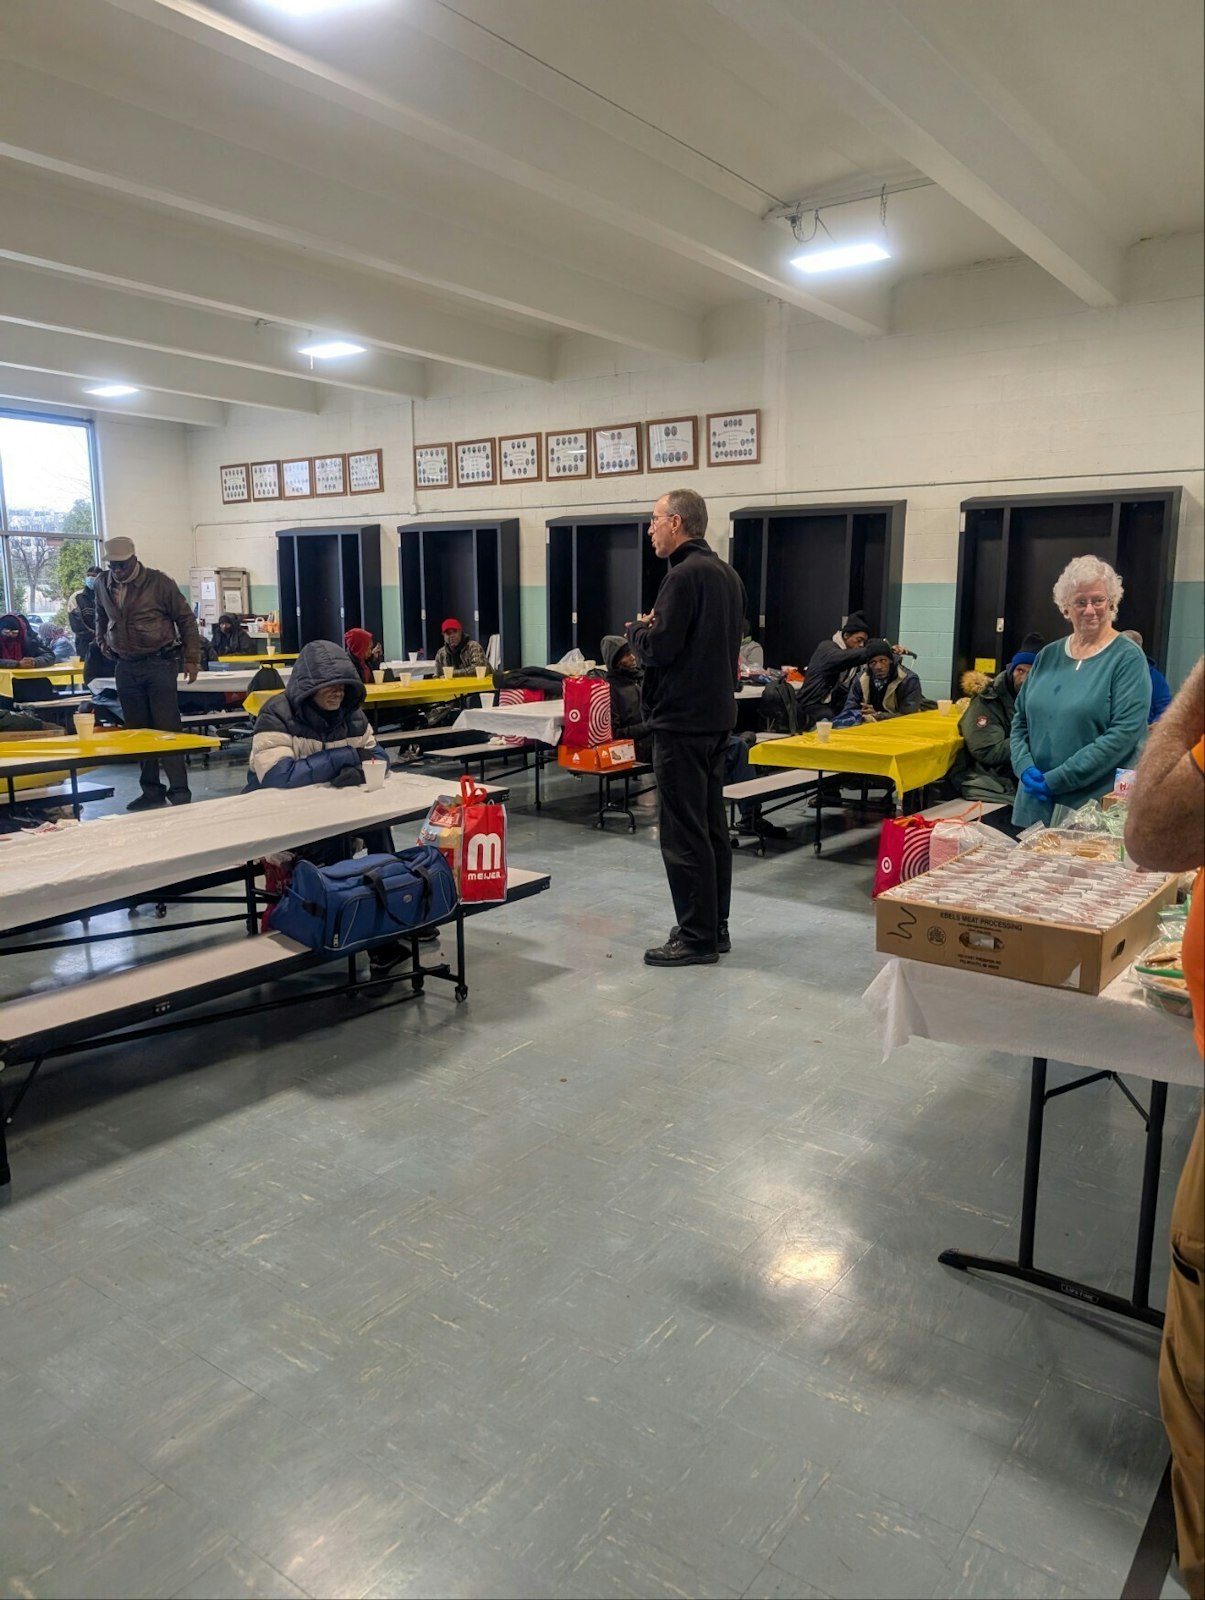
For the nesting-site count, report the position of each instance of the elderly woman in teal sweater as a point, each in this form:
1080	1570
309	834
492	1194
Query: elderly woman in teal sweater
1082	712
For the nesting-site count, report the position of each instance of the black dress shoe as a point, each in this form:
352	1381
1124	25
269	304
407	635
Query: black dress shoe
673	953
148	802
767	830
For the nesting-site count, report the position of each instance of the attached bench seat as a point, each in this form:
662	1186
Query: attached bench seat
782	787
55	794
62	1020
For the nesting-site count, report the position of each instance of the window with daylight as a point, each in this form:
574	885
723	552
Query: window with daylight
48	532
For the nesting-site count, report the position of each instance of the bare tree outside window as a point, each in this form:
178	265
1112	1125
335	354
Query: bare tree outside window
47	514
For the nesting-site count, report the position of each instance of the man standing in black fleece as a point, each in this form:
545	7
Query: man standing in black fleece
689	645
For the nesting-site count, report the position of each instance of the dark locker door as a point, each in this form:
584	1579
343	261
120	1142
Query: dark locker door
1041	541
609	582
560	590
807	584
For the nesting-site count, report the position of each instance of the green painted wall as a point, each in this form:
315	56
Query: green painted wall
533	619
927	626
1186	644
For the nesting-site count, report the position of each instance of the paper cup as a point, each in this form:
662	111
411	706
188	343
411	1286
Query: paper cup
403	678
823	729
374	775
414	655
85	724
378	675
449	672
481	671
944	705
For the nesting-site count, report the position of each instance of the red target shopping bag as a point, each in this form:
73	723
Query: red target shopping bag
903	852
587	712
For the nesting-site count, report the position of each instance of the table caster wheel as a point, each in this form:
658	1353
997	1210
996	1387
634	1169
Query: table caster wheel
161	911
461	993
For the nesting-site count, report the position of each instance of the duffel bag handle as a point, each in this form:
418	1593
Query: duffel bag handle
381	895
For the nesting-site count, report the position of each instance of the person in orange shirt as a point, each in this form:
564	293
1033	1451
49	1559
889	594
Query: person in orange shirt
1166	830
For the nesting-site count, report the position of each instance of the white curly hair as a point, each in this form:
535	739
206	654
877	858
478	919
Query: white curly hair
1081	572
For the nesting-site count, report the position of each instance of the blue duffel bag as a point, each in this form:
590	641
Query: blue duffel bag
354	904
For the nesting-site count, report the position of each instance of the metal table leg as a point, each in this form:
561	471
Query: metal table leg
1137	1308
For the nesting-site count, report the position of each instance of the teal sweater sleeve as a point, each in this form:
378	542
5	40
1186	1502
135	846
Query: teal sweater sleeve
1129	691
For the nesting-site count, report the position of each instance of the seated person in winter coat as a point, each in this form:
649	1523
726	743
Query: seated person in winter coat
752	656
20	647
882	689
986	727
365	655
624	675
830	672
463	655
1161	690
315	730
230	638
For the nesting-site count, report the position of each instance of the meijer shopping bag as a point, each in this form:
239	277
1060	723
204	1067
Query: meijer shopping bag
469	831
587	712
903	852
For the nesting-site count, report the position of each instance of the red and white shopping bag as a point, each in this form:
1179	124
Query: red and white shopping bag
587	712
903	852
469	831
517	697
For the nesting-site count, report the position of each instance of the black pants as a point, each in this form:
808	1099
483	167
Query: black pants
147	691
694	832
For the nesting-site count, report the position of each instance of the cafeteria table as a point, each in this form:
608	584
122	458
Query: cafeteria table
27	757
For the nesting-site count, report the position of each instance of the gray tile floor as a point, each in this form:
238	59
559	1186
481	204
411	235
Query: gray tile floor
609	1282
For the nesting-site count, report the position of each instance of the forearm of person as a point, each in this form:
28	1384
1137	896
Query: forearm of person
659	642
1165	828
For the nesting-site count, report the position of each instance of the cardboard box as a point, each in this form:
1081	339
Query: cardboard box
613	757
1055	955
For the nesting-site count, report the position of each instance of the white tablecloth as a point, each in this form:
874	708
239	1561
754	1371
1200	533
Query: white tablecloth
1114	1031
232	682
111	858
541	720
423	669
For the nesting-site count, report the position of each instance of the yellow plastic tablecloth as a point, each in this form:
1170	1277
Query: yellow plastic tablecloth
262	660
394	694
63	673
911	751
104	745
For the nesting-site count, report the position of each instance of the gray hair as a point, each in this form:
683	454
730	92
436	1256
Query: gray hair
1132	633
691	507
1078	574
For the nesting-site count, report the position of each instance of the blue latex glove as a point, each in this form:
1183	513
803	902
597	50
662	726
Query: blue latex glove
1035	783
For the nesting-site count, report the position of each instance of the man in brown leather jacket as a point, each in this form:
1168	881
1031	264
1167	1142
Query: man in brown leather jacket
145	623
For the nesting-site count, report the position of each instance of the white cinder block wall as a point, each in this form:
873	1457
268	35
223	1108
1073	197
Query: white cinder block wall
994	380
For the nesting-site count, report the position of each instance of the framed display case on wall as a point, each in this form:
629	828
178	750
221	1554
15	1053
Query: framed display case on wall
617	450
476	464
297	479
236	484
365	472
433	466
567	455
733	438
265	480
673	444
519	458
330	477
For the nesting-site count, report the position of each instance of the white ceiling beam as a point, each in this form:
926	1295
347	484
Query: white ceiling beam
120	147
899	85
116	241
429	91
38	299
73	355
20	385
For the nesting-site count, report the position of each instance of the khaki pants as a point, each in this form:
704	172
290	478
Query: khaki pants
1182	1365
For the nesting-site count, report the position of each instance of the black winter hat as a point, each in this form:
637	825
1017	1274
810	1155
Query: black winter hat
855	623
879	647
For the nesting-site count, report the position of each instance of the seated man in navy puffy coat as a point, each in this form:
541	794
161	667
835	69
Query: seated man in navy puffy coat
315	732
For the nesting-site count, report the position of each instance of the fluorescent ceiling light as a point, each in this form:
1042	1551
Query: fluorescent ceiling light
112	391
310	8
837	256
328	349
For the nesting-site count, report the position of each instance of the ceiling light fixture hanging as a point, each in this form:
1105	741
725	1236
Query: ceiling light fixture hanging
331	349
831	256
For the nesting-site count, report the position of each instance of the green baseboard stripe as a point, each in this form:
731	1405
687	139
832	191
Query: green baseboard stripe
533	618
1186	640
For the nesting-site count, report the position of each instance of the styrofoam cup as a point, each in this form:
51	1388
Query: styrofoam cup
378	675
403	678
414	655
944	705
374	775
449	672
823	729
481	671
85	724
